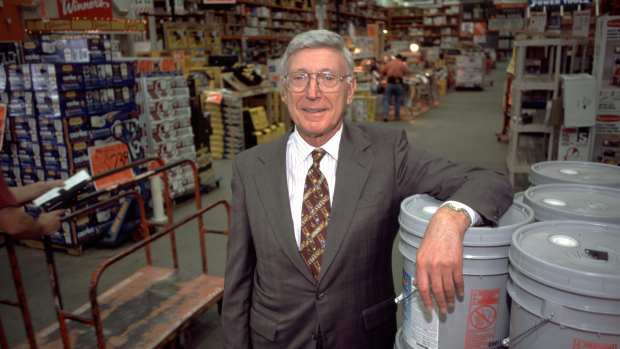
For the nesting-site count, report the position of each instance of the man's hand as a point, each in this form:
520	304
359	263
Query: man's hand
439	261
50	221
30	192
15	222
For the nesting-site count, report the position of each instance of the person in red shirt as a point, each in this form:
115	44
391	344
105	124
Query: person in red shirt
15	221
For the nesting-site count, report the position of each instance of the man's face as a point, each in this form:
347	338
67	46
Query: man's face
317	114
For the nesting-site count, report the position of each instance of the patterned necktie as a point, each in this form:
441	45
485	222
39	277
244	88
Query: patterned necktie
314	215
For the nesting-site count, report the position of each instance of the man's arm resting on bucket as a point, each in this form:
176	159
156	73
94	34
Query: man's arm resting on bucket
439	260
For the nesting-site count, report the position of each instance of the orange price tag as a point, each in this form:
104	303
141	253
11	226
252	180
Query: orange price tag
108	157
146	66
168	65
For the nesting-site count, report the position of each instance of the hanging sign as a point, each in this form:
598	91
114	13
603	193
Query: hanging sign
558	2
85	9
107	157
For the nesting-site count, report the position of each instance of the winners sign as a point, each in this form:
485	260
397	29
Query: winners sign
85	9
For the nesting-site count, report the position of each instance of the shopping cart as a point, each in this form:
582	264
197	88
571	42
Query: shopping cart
152	306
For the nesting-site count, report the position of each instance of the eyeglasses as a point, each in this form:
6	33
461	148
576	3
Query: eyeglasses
326	81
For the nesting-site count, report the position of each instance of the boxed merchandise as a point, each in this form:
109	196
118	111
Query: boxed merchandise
123	73
19	77
579	100
70	76
48	103
575	144
606	68
64	51
21	104
43	76
607	141
97	75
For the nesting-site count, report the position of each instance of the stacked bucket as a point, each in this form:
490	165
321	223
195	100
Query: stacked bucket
550	284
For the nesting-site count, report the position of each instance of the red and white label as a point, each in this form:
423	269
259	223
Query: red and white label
583	344
88	9
481	318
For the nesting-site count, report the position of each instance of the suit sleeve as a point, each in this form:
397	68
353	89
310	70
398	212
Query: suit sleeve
240	265
487	192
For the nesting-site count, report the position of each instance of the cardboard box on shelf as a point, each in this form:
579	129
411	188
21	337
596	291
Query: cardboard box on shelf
606	66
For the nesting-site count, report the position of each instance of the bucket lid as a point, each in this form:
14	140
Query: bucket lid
574	201
578	172
580	257
417	210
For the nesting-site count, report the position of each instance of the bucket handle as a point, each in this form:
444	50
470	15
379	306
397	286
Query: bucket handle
403	297
506	342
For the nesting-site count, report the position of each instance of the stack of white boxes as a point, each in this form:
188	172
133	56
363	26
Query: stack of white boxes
470	70
166	116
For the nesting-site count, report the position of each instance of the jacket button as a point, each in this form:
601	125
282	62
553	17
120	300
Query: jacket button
320	295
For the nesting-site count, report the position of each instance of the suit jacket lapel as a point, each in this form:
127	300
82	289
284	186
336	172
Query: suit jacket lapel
273	191
354	163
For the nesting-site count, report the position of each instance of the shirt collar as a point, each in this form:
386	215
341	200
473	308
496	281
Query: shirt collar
331	147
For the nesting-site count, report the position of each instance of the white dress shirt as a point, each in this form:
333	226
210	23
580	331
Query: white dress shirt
298	162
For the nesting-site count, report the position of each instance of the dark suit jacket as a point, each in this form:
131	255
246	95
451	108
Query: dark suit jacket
271	299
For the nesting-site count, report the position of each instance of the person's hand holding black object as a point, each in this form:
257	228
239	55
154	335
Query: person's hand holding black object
20	225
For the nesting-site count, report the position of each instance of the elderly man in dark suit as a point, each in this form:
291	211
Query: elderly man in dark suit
315	216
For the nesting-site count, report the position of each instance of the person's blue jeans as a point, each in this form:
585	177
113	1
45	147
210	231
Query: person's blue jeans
397	92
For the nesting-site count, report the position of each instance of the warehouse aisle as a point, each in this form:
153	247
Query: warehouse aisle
462	129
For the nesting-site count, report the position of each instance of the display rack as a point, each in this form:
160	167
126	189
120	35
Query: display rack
360	14
532	134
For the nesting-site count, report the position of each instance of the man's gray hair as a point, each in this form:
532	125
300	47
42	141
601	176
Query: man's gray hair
318	38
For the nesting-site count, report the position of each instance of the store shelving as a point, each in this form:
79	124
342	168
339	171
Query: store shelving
532	135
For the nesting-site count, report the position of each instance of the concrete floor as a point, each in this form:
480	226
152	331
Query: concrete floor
462	128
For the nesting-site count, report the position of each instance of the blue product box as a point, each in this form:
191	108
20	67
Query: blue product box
19	77
77	127
123	73
48	103
32	51
64	50
21	103
70	76
52	173
26	135
125	98
60	164
51	150
97	75
79	153
99	49
31	175
29	161
93	101
51	130
74	103
43	77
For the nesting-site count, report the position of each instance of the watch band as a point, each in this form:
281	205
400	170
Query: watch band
458	208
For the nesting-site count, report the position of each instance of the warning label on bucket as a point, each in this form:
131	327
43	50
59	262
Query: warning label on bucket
583	344
481	318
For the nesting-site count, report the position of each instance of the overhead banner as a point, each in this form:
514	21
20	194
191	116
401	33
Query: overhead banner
84	9
558	2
